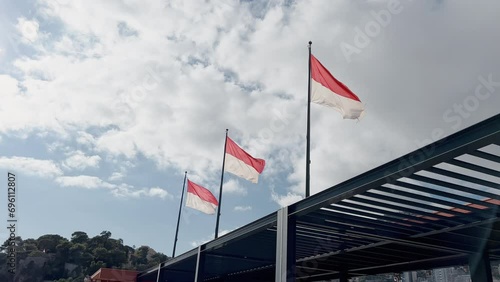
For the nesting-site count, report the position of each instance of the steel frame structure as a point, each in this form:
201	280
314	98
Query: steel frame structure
437	206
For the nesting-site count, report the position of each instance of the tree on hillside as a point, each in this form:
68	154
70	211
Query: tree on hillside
63	250
94	266
18	242
157	258
79	237
106	235
99	240
117	258
76	252
49	242
100	254
140	256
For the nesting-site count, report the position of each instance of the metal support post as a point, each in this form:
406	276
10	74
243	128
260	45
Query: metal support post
480	268
285	247
200	264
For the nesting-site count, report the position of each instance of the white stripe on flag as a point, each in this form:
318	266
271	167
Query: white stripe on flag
195	202
240	168
348	108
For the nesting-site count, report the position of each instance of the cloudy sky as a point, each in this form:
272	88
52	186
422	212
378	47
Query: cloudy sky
105	104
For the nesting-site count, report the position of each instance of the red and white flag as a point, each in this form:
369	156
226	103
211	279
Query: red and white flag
328	91
200	198
242	164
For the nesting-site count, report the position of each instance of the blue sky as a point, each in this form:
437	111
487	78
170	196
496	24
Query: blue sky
105	104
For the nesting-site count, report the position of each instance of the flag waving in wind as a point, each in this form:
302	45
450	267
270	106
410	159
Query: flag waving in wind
328	91
200	198
242	164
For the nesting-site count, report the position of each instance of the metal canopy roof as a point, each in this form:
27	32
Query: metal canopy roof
437	206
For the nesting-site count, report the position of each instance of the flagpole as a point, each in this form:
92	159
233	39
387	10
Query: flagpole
179	217
308	134
220	190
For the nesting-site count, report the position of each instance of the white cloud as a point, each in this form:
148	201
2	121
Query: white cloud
85	138
128	191
28	29
116	176
286	200
30	166
84	181
9	85
196	243
53	147
233	186
78	160
157	192
242	208
118	190
117	143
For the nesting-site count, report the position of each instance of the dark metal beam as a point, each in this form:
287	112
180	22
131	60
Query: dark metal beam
409	214
462	142
474	167
464	177
485	155
472	212
345	221
243	232
415	264
453	186
474	224
441	193
411	207
178	259
233	257
389	216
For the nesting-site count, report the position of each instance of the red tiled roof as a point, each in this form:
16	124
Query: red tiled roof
117	275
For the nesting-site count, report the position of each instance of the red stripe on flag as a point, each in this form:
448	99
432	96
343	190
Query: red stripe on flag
201	192
233	149
321	75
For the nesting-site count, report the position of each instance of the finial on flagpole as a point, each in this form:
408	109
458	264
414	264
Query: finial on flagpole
310	43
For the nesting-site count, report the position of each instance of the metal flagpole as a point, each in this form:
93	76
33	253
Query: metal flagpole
308	134
220	190
179	217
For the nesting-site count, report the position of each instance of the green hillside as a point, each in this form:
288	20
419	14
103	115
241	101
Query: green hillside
55	258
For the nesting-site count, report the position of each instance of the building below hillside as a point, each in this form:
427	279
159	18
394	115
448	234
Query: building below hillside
114	275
